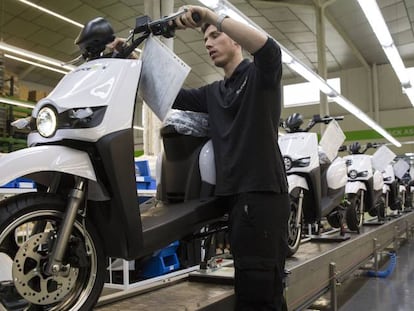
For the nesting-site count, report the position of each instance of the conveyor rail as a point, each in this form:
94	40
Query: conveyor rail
315	269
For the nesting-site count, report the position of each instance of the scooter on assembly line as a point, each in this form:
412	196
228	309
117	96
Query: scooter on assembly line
402	174
382	161
391	191
409	199
364	189
316	183
406	191
54	242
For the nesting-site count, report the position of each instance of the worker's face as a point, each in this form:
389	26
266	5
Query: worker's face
220	47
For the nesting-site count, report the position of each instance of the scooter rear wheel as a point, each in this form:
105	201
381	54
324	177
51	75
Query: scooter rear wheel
28	226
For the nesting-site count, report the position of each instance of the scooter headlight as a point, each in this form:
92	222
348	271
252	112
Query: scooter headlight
46	122
303	162
353	174
288	163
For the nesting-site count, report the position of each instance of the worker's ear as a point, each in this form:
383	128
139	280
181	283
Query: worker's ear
237	45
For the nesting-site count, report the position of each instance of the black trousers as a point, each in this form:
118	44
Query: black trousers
258	242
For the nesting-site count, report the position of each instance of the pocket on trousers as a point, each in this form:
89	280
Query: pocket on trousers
255	280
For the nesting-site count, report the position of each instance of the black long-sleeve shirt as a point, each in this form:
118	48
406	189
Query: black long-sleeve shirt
244	112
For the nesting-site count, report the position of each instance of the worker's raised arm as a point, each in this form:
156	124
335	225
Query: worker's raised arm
246	36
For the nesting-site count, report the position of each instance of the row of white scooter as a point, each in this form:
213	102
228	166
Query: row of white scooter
343	190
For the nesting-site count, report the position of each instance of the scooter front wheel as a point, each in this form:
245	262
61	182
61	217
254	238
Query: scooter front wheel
28	226
354	214
294	229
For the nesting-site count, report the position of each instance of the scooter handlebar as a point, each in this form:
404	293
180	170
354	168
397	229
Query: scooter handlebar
164	26
327	119
318	119
143	25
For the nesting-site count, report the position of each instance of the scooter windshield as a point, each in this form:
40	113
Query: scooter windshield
162	77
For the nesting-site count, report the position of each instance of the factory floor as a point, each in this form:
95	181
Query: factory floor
394	292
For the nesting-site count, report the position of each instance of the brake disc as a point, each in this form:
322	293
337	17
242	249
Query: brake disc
29	279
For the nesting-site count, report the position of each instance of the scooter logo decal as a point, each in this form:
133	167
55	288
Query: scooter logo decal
93	67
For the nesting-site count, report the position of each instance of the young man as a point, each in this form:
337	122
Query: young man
244	112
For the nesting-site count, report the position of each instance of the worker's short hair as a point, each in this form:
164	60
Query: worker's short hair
204	27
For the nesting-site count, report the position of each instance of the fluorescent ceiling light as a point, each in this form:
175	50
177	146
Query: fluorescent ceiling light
35	64
290	60
312	78
138	128
397	64
409	91
376	20
40	8
28	54
39	57
210	3
345	103
14	102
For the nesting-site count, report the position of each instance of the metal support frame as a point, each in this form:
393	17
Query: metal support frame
311	279
317	271
333	282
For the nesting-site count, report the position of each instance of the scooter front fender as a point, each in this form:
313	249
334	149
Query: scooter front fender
45	158
354	187
296	181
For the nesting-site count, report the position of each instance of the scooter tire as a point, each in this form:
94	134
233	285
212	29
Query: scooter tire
86	263
380	207
294	232
353	214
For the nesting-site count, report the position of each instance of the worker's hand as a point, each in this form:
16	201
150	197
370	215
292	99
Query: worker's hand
187	19
118	45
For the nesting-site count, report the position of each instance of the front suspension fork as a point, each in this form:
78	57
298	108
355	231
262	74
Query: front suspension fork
75	199
40	225
300	208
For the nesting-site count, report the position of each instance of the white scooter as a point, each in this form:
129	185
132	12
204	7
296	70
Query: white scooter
54	242
391	191
409	201
402	178
316	186
364	189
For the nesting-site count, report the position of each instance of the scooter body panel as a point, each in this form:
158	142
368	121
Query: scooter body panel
388	175
99	83
298	146
378	181
206	163
336	175
45	158
296	181
355	186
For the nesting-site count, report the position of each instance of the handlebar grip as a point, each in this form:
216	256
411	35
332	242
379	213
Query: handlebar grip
196	17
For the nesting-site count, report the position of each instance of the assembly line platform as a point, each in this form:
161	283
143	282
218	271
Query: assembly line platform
315	270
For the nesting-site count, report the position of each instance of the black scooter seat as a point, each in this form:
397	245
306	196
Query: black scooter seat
164	223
